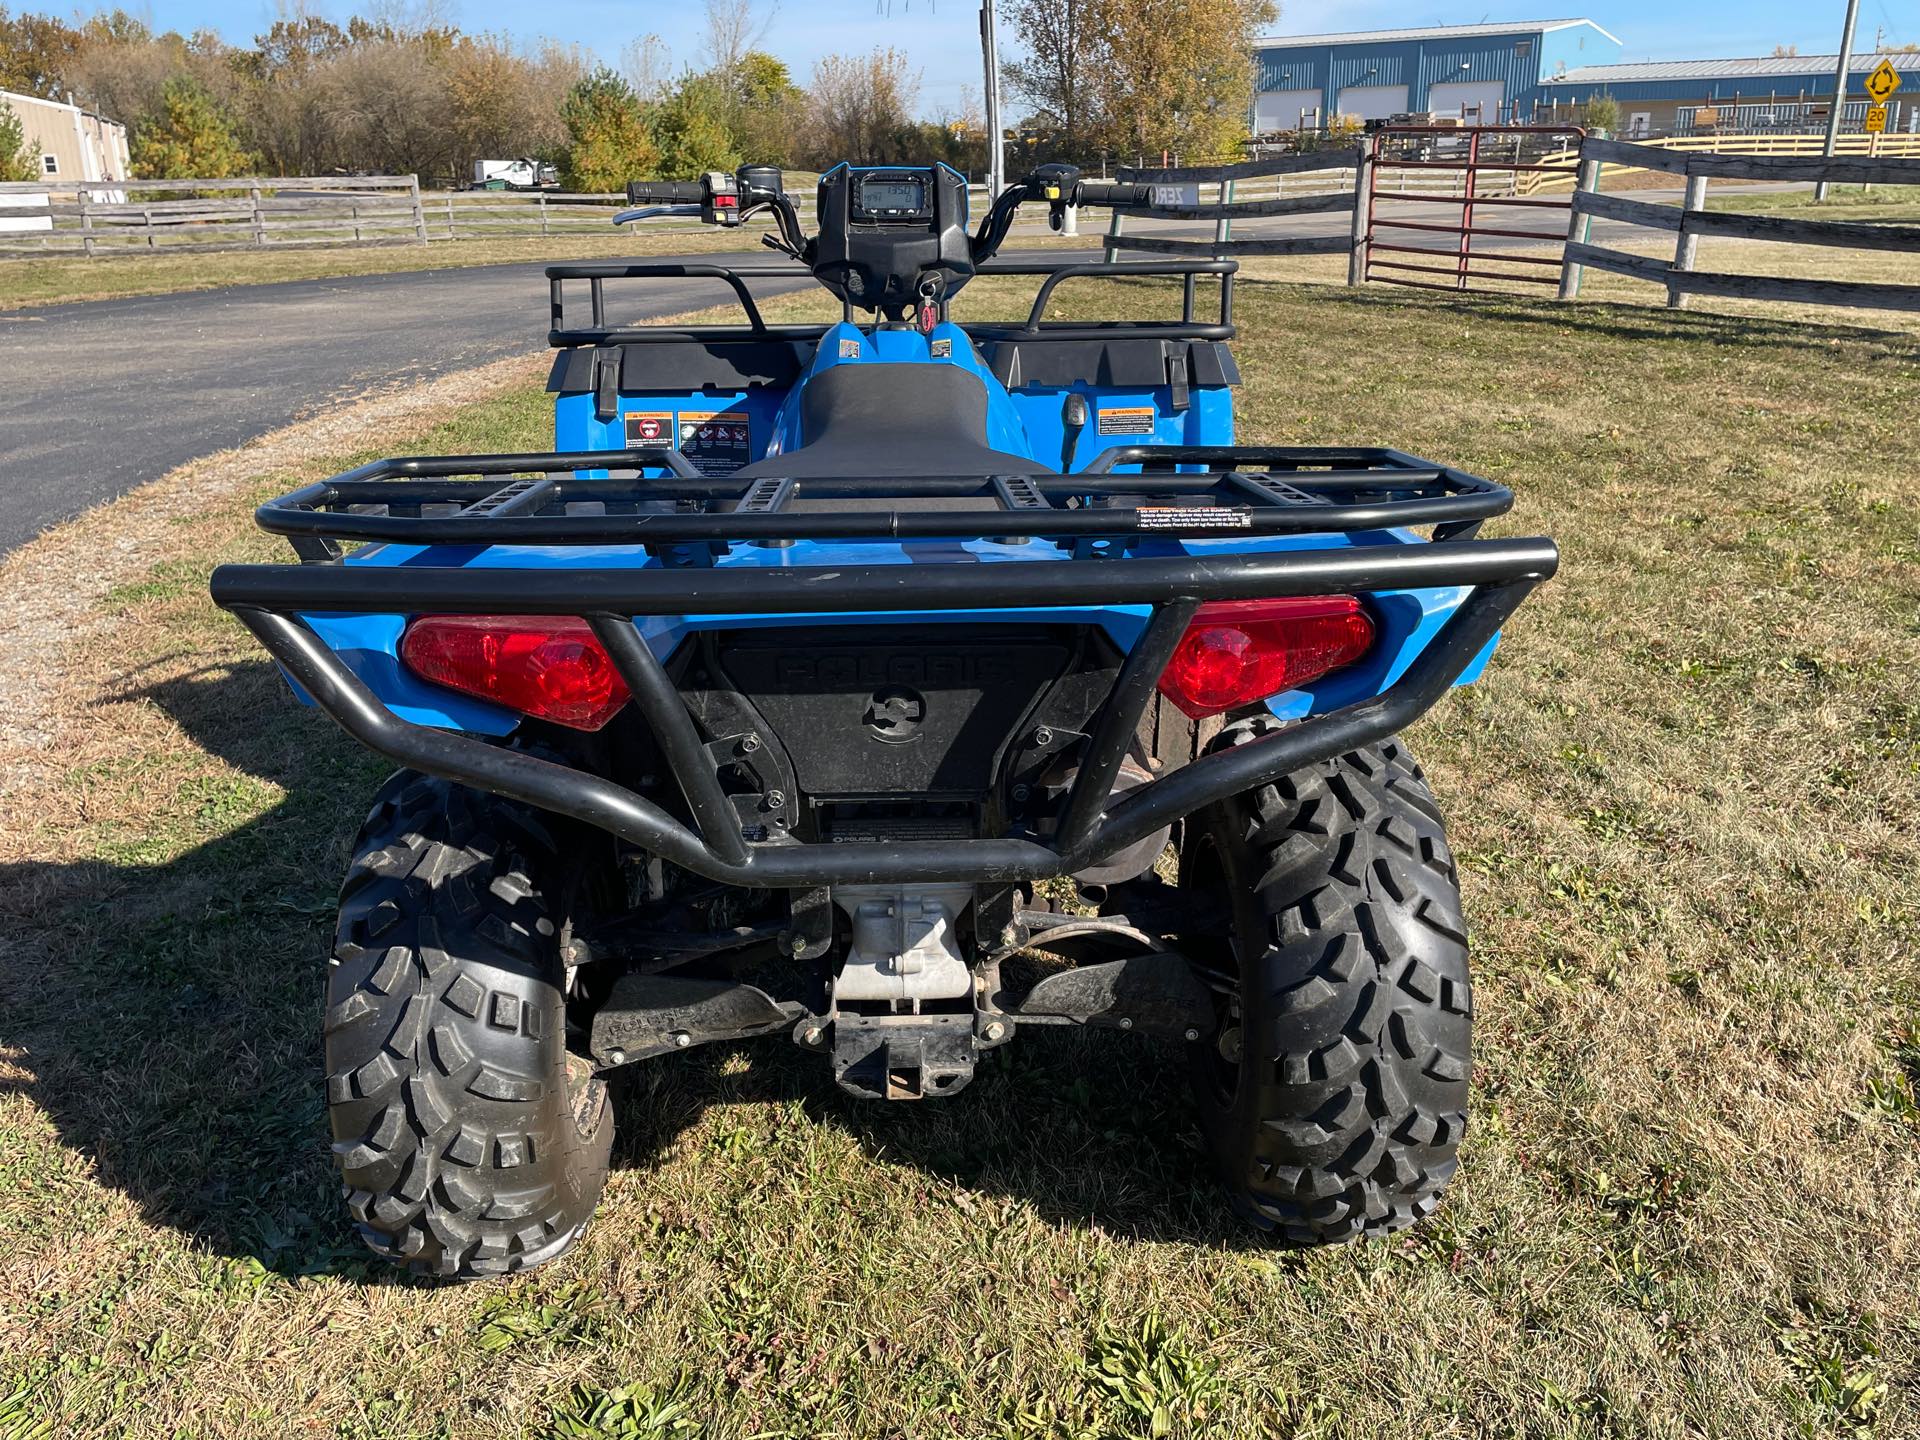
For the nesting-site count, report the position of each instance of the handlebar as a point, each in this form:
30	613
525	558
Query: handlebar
665	192
724	199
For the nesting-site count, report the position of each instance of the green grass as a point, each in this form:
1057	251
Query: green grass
1893	204
1684	799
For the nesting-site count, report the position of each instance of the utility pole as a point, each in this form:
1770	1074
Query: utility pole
1839	91
996	146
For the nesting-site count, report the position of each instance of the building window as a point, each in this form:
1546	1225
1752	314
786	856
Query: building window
1523	48
50	164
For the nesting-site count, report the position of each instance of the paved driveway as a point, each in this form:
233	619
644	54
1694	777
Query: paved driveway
101	396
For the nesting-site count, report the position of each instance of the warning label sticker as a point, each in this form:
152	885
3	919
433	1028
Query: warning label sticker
649	427
941	349
1194	517
718	442
1127	420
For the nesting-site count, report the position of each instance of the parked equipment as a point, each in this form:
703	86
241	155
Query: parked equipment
889	687
522	174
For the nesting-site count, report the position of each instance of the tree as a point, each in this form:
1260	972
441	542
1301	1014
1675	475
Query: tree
1177	75
1064	43
190	139
692	128
861	107
770	105
18	161
733	29
35	51
647	64
1138	76
389	102
607	139
1602	113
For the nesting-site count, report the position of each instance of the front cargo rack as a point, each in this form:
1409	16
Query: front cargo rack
683	516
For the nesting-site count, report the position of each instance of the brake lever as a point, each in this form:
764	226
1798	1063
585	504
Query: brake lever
655	212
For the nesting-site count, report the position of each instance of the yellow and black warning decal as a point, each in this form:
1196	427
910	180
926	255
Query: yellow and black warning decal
1127	420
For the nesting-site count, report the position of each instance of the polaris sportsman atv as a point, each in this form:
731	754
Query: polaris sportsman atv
888	688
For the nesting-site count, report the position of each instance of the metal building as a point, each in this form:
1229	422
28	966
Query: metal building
1480	73
1775	92
72	143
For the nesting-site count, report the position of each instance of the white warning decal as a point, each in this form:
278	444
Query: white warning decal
1183	517
1127	420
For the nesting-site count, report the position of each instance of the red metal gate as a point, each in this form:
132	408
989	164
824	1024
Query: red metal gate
1525	158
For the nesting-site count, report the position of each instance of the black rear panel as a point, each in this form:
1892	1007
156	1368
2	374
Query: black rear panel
893	711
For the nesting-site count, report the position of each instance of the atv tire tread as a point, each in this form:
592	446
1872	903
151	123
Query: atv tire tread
1357	1009
464	1148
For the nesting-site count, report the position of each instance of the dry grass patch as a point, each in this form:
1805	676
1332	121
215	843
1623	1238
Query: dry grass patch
1684	800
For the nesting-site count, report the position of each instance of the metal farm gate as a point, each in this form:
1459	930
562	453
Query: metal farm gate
1447	183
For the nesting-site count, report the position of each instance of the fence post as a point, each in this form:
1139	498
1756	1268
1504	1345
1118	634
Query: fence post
146	221
1689	241
355	207
450	234
419	213
257	220
543	211
1579	225
1223	225
1362	211
86	222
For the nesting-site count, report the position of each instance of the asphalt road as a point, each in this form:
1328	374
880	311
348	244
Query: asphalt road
101	396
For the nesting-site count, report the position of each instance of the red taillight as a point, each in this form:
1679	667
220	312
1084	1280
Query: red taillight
548	666
1240	651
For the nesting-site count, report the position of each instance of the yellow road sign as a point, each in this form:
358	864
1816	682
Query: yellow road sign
1882	82
1876	120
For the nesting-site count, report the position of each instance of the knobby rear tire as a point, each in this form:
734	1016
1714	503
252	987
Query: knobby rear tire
470	1142
1340	1110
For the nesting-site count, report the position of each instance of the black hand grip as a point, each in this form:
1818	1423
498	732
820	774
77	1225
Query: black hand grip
1112	192
665	192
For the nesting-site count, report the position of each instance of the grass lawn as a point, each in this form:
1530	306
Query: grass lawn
1684	800
1890	203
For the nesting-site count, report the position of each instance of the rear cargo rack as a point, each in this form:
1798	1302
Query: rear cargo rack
563	295
1216	492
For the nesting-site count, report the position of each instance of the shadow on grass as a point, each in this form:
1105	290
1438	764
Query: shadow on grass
166	1002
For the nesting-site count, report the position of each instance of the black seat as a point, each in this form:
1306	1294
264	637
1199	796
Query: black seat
894	420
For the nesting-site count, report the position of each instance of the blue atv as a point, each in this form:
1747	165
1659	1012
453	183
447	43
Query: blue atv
888	688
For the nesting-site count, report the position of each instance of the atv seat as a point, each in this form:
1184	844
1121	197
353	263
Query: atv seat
894	420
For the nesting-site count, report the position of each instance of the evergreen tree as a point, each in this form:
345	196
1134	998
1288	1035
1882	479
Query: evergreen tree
607	139
17	161
190	139
694	128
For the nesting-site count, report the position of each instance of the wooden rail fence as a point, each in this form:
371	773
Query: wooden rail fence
101	219
1330	166
1690	221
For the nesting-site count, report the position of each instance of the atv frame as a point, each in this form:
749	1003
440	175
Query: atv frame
747	532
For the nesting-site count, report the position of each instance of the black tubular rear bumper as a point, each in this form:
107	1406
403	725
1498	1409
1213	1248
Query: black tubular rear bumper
271	600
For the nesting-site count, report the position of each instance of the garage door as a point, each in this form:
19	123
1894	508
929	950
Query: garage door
1373	102
1280	109
1458	99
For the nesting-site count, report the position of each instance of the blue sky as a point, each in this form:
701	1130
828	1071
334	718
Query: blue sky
941	35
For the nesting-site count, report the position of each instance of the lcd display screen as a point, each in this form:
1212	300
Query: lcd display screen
878	195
